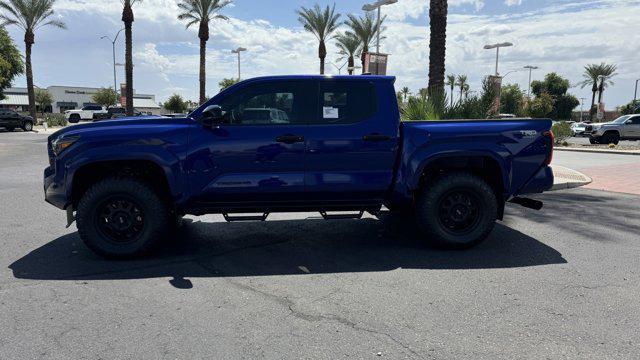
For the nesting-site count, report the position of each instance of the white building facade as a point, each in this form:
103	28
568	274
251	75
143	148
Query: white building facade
72	97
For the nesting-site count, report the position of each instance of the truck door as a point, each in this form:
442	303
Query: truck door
352	142
257	155
633	128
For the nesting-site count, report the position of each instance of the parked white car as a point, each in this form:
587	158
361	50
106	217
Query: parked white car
89	112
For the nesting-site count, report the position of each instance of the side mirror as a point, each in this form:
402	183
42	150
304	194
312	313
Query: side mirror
212	115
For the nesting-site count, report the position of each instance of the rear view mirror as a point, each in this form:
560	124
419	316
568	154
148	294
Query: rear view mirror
212	115
628	122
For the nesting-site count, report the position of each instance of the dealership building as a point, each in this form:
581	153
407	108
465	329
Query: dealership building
72	97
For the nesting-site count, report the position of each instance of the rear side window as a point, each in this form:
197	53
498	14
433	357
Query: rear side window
344	102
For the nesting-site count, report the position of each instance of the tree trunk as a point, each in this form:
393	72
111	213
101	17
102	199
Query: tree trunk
322	54
437	46
127	18
452	95
29	40
594	89
365	50
351	65
203	34
203	71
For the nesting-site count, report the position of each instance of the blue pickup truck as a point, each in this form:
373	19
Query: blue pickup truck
334	145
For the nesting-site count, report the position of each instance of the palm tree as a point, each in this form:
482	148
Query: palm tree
365	28
462	83
127	19
405	93
466	90
451	82
321	24
29	15
591	76
437	46
201	12
348	45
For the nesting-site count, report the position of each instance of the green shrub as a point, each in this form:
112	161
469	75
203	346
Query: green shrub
419	108
561	131
55	120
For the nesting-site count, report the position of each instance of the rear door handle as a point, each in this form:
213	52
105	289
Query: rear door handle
290	139
376	137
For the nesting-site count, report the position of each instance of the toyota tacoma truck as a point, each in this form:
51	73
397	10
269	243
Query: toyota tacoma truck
335	145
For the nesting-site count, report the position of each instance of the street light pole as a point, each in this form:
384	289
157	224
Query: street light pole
635	94
497	47
582	108
113	47
378	6
531	68
238	51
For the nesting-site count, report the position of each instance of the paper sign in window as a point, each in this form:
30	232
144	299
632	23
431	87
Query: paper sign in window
330	112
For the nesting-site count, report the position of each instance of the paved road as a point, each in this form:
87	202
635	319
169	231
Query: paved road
585	141
611	172
558	284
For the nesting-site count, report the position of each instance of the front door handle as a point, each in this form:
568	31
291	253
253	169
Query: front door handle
376	137
290	139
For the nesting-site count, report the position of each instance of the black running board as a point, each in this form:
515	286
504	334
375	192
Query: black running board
328	216
528	203
234	218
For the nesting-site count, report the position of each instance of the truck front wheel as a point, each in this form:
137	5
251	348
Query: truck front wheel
122	218
456	211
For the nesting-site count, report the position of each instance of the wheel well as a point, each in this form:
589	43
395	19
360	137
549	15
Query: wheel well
484	167
144	170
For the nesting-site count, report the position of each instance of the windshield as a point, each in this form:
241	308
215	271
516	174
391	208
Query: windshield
621	119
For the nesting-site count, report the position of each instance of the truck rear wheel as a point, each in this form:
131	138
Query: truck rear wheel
122	218
456	211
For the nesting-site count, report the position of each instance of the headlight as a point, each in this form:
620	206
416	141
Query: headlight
62	143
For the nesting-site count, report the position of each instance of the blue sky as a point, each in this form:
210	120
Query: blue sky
560	36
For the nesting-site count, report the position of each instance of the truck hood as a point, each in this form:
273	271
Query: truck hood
121	125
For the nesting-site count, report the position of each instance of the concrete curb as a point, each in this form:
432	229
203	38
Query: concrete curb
565	178
599	151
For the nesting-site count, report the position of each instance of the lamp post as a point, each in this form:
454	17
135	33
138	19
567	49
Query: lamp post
377	6
238	51
582	108
497	47
635	94
113	47
531	68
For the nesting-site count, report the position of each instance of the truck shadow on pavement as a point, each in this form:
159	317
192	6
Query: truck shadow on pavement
291	247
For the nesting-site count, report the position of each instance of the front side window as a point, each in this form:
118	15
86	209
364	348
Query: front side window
346	102
268	104
635	120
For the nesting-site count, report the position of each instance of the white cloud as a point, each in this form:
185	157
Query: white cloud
512	2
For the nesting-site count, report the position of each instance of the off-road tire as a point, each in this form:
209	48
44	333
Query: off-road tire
155	213
430	206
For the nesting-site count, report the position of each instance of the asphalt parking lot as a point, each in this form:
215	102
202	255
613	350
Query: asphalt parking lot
562	283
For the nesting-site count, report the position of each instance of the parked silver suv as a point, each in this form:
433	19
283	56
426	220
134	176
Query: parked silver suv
623	128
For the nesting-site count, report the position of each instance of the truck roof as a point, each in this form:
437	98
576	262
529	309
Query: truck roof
322	77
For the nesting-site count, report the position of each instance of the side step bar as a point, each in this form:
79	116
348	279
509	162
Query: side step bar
528	203
233	218
328	216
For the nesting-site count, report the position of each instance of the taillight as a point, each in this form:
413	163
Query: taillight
552	140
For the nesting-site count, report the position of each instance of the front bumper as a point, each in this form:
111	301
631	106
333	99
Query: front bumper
54	191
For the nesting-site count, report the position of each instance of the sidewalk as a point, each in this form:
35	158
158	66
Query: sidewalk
565	178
